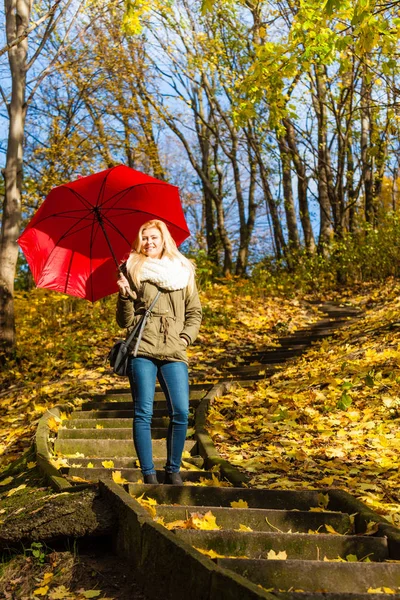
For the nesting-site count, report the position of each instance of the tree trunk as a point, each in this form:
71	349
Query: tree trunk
302	183
288	202
271	207
246	230
319	102
366	158
17	20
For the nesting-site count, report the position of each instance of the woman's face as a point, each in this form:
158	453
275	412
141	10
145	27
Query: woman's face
152	242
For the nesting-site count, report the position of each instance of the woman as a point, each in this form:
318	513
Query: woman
155	264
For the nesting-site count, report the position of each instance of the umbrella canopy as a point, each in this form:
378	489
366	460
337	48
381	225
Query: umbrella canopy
83	229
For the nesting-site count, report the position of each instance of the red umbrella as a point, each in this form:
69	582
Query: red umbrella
83	229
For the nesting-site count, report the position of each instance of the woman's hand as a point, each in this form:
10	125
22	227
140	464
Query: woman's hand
123	285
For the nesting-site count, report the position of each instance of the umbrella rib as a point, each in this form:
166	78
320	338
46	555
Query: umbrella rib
114	227
90	260
65	235
68	214
68	270
103	185
85	202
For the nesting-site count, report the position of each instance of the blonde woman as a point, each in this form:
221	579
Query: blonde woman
155	264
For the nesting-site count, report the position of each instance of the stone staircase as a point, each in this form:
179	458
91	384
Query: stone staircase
102	432
258	543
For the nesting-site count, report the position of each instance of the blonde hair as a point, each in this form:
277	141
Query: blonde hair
136	258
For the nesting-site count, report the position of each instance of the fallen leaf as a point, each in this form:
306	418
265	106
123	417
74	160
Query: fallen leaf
7	480
272	555
108	464
17	489
209	553
117	477
239	504
42	591
243	528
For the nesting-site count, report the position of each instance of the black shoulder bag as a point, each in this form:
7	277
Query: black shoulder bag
118	355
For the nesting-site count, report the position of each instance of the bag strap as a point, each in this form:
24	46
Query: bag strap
140	324
143	323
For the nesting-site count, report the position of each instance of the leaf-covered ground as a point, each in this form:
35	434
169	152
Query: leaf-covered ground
328	419
63	342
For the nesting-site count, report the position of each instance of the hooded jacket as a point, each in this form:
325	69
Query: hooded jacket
175	317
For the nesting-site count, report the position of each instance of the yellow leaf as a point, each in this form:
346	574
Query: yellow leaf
239	504
210	553
117	477
99	426
272	555
90	593
46	578
14	490
79	479
42	591
108	464
53	424
330	529
244	528
148	504
206	522
190	466
7	480
59	593
90	465
30	465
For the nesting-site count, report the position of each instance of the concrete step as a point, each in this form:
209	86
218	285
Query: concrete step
113	448
127	405
223	496
115	414
132	475
126	396
107	434
298	546
259	519
317	576
111	423
333	596
125	462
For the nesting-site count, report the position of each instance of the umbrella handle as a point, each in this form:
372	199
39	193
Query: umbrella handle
130	293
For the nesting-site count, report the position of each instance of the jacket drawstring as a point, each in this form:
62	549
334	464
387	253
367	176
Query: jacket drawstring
164	327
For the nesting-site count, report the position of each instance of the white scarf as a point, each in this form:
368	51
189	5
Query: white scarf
169	274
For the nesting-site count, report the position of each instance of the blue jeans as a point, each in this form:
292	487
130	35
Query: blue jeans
174	381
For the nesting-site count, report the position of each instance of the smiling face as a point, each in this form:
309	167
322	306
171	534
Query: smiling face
152	242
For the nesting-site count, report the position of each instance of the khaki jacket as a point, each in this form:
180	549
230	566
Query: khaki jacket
176	315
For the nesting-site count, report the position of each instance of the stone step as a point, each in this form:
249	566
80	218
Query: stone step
125	462
128	405
194	387
114	414
126	396
298	546
132	475
317	576
259	519
157	433
333	596
223	496
111	423
113	448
